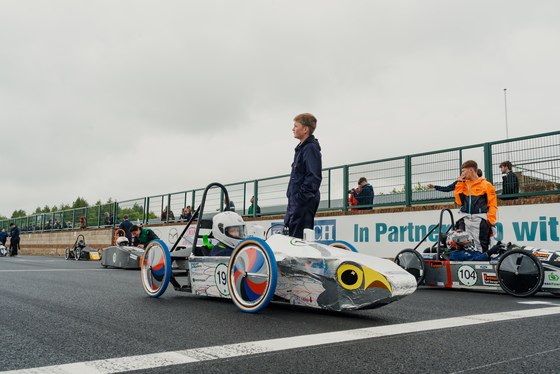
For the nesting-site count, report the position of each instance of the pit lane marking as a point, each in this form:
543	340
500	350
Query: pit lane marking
156	360
49	270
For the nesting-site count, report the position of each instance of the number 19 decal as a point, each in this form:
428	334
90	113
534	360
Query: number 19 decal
220	276
467	275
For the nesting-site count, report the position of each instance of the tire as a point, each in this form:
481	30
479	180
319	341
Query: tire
67	253
156	268
77	254
252	275
412	261
520	273
343	245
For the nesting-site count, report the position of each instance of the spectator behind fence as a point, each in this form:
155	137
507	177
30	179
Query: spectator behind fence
186	213
364	194
251	206
125	226
451	187
107	219
352	200
164	215
231	204
82	223
510	182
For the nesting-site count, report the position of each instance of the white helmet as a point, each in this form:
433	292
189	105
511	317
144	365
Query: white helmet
228	227
123	240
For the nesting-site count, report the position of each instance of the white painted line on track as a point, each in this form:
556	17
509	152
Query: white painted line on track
155	360
39	270
537	302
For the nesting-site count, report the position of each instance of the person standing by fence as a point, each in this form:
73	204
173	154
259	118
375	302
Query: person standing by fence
14	239
364	195
305	178
510	182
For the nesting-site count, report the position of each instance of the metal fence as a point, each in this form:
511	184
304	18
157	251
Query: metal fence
398	181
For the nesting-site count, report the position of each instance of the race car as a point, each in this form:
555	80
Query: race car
3	251
121	255
81	251
520	271
279	268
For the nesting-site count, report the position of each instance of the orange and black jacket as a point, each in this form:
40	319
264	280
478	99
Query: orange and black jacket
477	197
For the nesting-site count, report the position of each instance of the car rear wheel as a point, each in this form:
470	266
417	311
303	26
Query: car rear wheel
252	275
77	254
412	261
156	268
67	253
520	273
343	245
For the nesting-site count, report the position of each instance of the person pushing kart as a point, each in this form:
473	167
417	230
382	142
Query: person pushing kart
143	236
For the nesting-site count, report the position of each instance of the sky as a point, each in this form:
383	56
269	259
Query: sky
126	99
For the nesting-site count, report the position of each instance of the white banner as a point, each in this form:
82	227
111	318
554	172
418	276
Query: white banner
384	235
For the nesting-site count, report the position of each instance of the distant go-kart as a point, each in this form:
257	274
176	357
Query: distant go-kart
520	271
280	268
3	251
81	251
122	255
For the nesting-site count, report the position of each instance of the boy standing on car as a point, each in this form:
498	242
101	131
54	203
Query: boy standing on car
144	236
477	198
305	179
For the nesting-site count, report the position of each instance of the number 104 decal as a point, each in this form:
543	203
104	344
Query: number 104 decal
220	276
467	275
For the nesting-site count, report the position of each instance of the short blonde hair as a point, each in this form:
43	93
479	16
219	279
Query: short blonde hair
308	120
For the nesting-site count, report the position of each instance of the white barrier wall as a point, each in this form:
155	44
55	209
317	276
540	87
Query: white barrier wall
385	235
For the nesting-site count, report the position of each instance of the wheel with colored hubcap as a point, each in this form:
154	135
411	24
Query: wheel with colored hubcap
252	275
156	268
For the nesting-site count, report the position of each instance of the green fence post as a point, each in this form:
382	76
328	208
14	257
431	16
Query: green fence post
147	208
329	190
168	207
344	187
488	162
193	201
256	197
408	180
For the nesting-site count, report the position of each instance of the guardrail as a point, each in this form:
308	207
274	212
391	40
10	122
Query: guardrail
397	181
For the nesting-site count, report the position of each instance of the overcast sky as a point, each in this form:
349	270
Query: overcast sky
126	99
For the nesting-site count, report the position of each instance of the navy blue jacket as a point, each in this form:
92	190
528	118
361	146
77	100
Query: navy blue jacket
14	233
449	188
306	176
125	226
365	196
3	237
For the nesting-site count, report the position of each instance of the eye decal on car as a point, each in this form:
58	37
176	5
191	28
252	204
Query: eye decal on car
350	276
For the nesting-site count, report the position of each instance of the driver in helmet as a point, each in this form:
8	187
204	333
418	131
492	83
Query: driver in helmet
229	229
460	247
122	241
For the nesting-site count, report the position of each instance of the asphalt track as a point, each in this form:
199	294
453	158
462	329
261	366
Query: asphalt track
68	316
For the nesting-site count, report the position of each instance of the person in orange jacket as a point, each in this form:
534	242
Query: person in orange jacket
479	206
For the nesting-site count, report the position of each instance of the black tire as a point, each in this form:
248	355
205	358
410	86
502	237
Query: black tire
412	261
520	273
77	254
67	253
